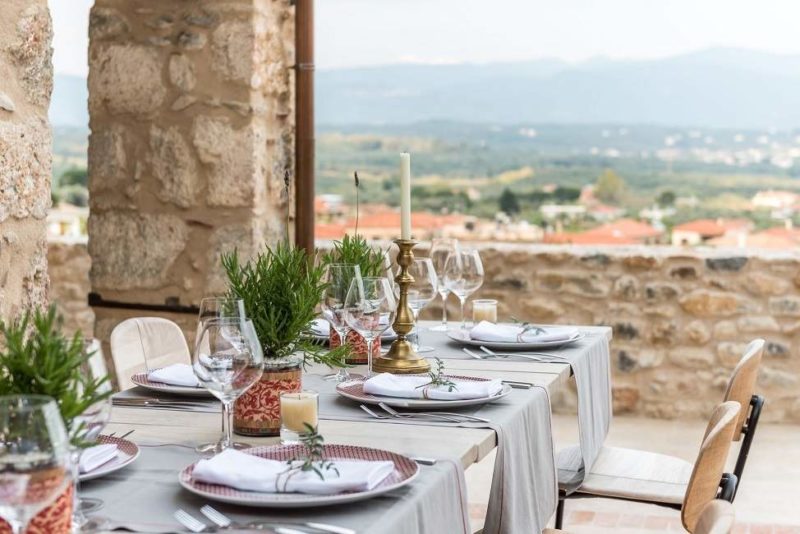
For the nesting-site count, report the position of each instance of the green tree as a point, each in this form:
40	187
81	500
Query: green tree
665	199
508	202
610	187
74	176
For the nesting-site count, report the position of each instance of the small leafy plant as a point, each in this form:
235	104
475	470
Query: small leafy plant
37	359
313	459
438	378
281	289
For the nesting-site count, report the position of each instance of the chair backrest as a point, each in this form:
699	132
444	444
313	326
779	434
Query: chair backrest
716	518
742	383
710	463
145	343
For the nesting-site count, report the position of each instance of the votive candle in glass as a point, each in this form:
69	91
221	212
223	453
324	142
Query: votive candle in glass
484	310
297	409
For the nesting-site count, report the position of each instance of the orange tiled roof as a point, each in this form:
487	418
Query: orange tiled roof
621	232
419	221
711	227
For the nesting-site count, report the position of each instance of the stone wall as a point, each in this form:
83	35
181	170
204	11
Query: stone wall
681	317
68	266
26	81
192	122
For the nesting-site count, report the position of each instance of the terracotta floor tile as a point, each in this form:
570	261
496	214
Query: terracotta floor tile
580	517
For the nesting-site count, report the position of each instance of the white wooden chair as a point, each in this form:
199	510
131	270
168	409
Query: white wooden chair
143	343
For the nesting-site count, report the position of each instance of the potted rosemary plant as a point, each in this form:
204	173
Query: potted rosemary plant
355	250
37	359
280	289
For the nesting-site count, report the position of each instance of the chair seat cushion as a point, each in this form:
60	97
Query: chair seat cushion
633	474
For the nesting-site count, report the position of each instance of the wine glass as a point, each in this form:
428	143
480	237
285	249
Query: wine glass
35	459
215	309
422	293
86	427
370	308
338	277
228	359
463	275
441	247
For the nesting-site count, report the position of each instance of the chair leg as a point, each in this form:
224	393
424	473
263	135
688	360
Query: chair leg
560	512
757	403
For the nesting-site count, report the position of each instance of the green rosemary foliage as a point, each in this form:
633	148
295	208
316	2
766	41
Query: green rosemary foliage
281	289
355	250
39	360
438	378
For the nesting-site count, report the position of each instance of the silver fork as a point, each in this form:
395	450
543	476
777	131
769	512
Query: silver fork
394	412
442	419
457	418
223	521
522	354
190	522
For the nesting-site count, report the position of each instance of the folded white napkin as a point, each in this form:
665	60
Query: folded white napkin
93	457
320	327
177	374
506	333
250	473
408	387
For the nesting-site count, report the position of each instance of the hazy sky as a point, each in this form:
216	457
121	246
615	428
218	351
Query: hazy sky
371	32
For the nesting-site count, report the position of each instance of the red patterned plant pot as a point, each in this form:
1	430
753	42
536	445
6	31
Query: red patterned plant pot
358	347
55	519
258	411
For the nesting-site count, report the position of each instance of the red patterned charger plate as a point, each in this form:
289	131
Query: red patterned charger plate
405	470
140	379
354	390
127	452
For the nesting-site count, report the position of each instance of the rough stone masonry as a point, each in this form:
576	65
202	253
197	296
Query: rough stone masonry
26	81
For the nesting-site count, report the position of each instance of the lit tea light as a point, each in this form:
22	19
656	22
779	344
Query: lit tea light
297	410
484	310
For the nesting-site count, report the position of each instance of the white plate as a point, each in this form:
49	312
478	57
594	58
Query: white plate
462	336
127	452
354	390
140	379
406	470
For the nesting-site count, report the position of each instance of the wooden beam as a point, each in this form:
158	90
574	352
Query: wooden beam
304	124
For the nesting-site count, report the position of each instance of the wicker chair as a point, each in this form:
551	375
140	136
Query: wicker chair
658	479
145	343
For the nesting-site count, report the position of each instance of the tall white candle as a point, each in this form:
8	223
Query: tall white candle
405	195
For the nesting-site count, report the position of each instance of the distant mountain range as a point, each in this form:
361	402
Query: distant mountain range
722	87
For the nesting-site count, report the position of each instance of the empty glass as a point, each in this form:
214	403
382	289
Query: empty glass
215	309
338	277
35	458
441	248
463	275
423	291
228	359
370	308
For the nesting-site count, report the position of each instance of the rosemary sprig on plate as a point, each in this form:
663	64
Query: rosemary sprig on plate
313	459
438	377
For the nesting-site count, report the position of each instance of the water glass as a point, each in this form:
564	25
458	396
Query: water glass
423	291
338	277
35	458
297	411
441	248
463	275
370	308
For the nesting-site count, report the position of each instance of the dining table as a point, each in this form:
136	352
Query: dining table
143	496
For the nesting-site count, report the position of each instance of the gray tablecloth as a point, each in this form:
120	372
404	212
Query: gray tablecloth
590	363
524	490
143	497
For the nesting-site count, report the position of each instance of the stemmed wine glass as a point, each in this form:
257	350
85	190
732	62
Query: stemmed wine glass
441	248
422	293
370	308
214	309
86	428
228	359
35	458
463	275
338	277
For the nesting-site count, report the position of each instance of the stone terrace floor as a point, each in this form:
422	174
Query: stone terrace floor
768	501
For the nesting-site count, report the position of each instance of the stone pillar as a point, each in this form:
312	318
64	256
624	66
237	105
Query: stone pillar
191	107
26	81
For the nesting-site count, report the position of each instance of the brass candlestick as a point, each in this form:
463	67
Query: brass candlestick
401	358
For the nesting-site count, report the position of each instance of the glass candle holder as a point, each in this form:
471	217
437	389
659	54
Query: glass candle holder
297	410
484	310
